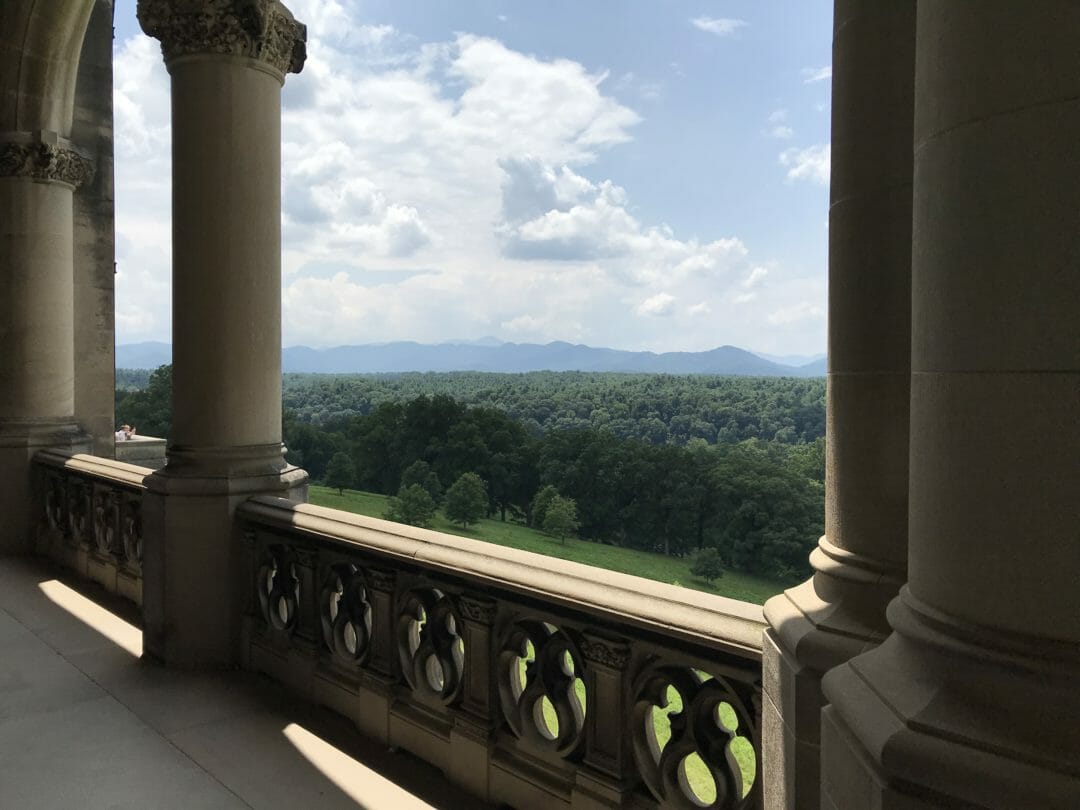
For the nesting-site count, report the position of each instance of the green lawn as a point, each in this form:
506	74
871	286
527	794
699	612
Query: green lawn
640	563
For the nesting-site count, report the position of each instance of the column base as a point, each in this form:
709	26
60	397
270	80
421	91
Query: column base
948	714
813	627
192	580
20	439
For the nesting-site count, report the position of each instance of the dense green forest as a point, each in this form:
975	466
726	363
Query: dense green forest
673	465
655	408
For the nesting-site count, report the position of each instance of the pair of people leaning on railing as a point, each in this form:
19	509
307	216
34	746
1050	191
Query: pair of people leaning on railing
125	433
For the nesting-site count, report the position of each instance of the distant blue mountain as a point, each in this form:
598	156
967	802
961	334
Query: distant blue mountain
143	355
492	355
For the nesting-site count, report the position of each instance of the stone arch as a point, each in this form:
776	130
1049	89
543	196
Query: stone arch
40	44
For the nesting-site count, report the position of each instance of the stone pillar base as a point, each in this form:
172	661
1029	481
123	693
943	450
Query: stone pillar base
19	441
813	627
945	714
193	581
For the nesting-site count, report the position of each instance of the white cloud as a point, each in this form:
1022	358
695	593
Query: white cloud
781	132
721	26
778	116
659	305
812	75
463	173
797	313
812	163
699	310
756	277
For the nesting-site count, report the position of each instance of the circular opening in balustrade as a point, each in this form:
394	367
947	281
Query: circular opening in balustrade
415	627
435	675
725	717
458	651
335	598
268	585
658	721
567	662
696	781
545	718
350	638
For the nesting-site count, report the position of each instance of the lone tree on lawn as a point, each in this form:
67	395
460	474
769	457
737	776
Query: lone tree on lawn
412	505
466	501
707	565
560	517
340	472
540	503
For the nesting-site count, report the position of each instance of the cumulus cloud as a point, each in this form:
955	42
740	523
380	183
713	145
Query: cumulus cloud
659	305
465	172
813	164
721	26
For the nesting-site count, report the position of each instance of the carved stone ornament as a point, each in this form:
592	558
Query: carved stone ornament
258	29
46	162
476	610
606	653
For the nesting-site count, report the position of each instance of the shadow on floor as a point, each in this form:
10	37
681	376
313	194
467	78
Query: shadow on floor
85	720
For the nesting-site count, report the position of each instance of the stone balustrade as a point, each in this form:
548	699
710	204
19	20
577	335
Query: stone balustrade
90	518
531	681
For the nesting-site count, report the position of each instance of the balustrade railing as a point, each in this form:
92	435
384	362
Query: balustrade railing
532	681
90	520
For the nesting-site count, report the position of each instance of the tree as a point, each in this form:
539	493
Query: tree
420	472
708	565
560	518
540	505
340	472
412	505
148	409
466	501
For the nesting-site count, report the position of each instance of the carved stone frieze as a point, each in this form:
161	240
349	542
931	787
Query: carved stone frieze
477	610
46	162
257	29
380	580
611	654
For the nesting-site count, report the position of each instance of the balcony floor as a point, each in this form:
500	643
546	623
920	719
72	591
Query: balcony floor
84	722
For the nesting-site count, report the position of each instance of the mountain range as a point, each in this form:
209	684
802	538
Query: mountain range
488	354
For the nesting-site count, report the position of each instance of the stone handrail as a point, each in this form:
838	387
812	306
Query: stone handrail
91	517
532	681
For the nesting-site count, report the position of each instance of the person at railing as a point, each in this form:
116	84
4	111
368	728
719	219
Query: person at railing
125	433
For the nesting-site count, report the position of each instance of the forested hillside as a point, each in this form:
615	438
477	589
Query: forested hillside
651	407
672	465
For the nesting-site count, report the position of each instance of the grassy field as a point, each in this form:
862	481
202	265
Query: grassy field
628	561
643	564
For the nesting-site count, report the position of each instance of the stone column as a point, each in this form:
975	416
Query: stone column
973	701
860	562
38	174
39	171
227	60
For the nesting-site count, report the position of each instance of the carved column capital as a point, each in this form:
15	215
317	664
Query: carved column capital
257	29
45	157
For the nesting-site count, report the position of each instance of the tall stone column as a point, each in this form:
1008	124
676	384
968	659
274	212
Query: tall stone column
38	173
973	701
860	562
227	60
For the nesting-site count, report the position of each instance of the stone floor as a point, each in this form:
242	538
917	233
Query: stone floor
84	722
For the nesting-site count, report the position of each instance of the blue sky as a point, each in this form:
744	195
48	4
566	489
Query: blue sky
642	175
